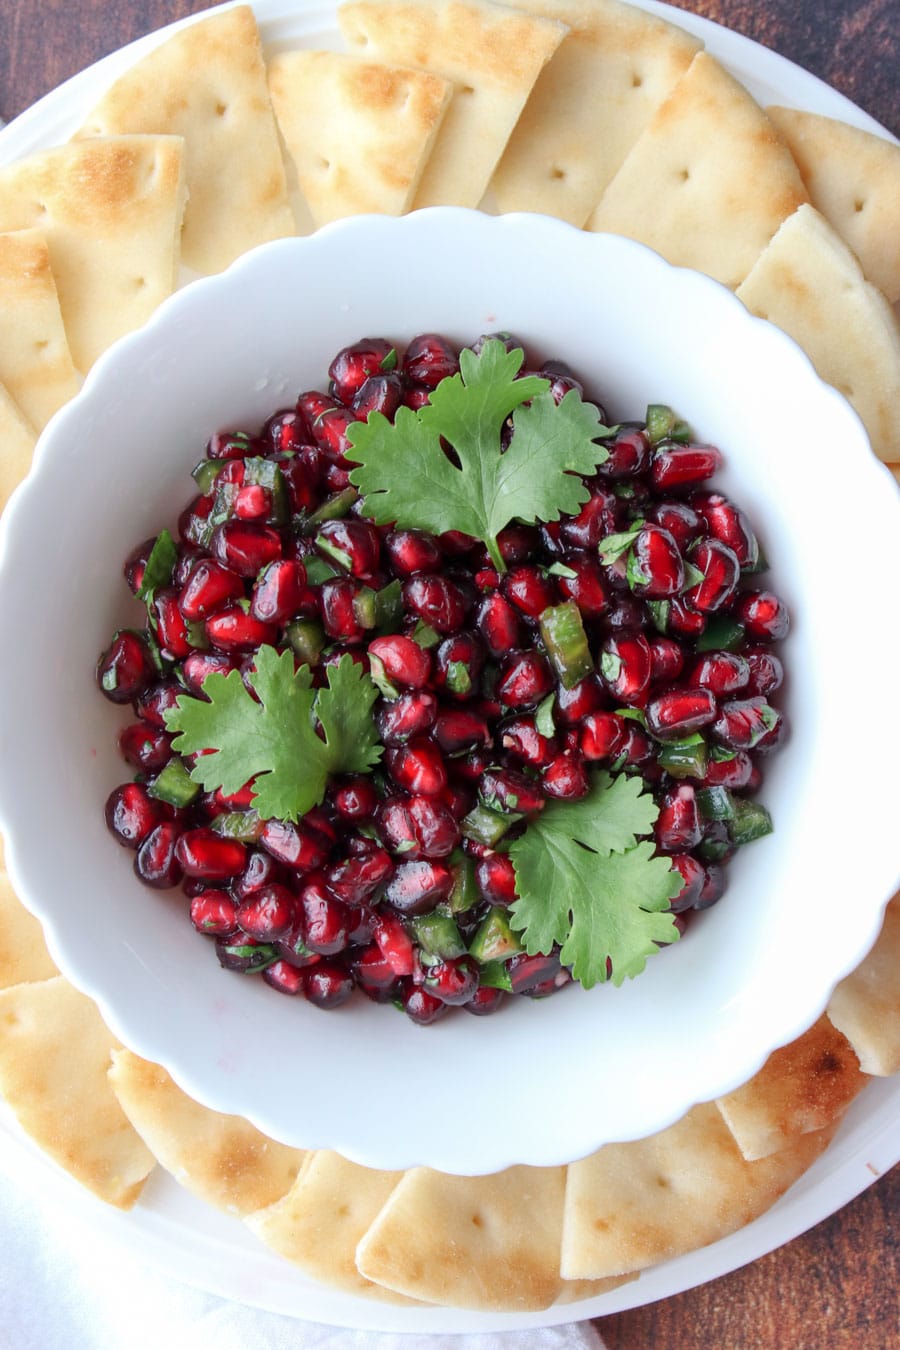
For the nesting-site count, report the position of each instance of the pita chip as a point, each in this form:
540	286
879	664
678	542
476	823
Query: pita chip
321	1219
35	362
495	1247
23	952
358	132
207	84
806	1085
54	1056
631	1206
853	179
17	441
702	200
866	1005
589	105
222	1159
809	283
493	54
110	213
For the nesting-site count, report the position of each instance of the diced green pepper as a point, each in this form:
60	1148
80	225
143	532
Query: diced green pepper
486	826
437	935
173	784
307	639
565	641
494	939
749	821
684	759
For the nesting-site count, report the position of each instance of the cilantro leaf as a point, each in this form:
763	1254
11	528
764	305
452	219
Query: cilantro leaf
586	882
407	477
159	567
276	741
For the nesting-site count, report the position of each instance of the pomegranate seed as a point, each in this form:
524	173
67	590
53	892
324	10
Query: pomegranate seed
678	466
721	574
232	445
484	1001
355	799
327	985
213	912
458	664
765	671
280	592
402	660
677	826
713	889
232	629
602	735
625	667
681	521
565	777
245	547
286	432
298	846
354	365
192	525
356	880
171	629
764	616
380	393
204	854
732	772
458	730
693	874
521	738
586	587
525	678
252	502
422	1007
153	704
394	943
530	590
284	977
453	981
728	524
417	886
417	767
625	615
743	723
125	669
629	454
571	706
131	813
412	551
208	587
680	712
354	545
303	475
655	565
598	518
260	869
155	862
721	672
326	920
410	715
373	973
198	666
436	600
666	660
499	624
429	358
682	620
508	790
267	913
495	878
527	972
337	605
145	748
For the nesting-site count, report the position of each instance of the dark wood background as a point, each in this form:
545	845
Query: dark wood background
837	1286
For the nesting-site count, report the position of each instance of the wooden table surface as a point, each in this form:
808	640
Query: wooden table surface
837	1285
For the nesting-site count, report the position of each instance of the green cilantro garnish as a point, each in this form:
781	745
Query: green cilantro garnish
407	477
159	567
289	742
585	881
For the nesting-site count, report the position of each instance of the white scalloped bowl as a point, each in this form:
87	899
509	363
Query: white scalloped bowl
542	1082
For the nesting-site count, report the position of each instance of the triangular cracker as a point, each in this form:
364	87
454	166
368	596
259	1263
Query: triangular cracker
54	1056
810	284
321	1219
110	211
853	179
866	1005
489	1243
590	103
493	55
708	182
631	1206
207	83
17	441
359	132
804	1086
35	362
222	1159
23	952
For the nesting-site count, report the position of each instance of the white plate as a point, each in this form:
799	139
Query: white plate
190	1241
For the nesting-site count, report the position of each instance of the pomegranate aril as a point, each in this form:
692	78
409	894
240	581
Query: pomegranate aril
453	981
458	730
429	358
153	703
675	466
721	672
204	854
284	977
354	365
765	671
522	739
354	545
681	711
678	828
327	985
763	614
602	735
524	679
412	551
267	913
625	665
296	846
155	862
629	454
655	568
412	714
436	600
238	951
355	799
681	521
131	814
126	667
571	706
666	660
214	912
742	723
326	920
280	592
565	777
208	587
694	878
586	586
499	624
145	748
380	393
495	878
422	1007
286	432
198	666
401	660
507	790
339	611
231	445
730	771
530	590
728	523
417	766
394	943
484	1001
721	574
458	662
418	886
245	547
233	629
357	880
598	518
527	972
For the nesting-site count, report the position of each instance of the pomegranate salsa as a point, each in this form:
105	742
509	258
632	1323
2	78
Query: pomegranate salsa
446	689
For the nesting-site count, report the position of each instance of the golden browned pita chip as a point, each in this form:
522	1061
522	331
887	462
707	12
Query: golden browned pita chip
17	441
54	1055
489	1243
709	180
630	1206
207	84
866	1005
321	1219
35	362
110	212
359	132
804	1086
809	283
23	951
590	103
853	179
222	1159
493	55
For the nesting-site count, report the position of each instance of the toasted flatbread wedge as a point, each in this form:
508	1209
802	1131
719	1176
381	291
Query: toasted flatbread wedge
110	212
630	1206
321	1219
23	952
866	1005
359	132
853	179
708	182
35	362
17	441
207	83
493	54
804	1086
488	1243
809	283
54	1056
221	1159
590	103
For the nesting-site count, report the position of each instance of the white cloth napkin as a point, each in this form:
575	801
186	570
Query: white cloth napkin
63	1288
